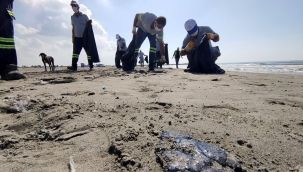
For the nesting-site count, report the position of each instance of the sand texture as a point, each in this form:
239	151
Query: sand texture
109	120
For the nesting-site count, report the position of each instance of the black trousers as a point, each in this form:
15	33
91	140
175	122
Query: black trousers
8	53
77	48
177	62
118	58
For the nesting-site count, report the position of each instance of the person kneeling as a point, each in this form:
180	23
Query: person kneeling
201	55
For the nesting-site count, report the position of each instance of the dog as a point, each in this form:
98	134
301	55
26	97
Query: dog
49	60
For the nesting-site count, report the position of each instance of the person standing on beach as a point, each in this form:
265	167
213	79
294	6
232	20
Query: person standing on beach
141	58
8	54
196	45
79	22
177	57
145	25
121	49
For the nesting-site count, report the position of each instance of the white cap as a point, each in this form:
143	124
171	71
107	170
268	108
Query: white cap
191	27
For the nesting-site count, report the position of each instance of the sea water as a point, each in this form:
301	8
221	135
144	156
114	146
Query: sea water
279	67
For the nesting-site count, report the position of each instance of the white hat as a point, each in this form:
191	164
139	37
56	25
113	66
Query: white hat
191	27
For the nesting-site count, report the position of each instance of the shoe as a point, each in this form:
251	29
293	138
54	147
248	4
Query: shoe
151	70
72	68
91	65
13	75
186	70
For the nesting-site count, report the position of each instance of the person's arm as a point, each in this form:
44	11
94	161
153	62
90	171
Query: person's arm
161	43
134	31
162	48
73	34
73	30
213	36
188	45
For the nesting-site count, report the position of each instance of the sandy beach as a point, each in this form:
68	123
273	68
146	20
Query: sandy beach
50	119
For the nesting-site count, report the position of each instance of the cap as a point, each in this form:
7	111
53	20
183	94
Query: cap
74	3
191	27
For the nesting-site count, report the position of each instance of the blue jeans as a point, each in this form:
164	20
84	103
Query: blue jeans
135	45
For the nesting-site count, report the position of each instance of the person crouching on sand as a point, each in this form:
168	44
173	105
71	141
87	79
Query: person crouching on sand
196	45
145	25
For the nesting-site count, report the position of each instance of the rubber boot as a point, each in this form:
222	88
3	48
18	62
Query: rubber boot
91	65
74	65
11	73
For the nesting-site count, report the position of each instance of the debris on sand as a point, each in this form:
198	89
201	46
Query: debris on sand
182	153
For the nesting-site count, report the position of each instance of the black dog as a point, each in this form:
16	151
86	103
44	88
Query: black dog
49	60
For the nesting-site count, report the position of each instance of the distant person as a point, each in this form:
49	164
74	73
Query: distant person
8	55
82	37
121	49
145	25
177	57
197	46
141	58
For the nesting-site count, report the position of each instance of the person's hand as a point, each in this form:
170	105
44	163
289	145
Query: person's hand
210	36
183	52
134	31
213	37
162	60
216	38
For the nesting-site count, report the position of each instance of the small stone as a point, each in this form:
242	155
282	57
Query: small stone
241	142
249	146
286	125
169	123
91	93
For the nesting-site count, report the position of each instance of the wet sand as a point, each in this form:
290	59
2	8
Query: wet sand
52	118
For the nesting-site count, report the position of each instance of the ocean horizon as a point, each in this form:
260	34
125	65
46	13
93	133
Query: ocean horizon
278	67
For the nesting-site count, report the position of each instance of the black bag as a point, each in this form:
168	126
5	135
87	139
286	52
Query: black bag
90	43
128	59
202	59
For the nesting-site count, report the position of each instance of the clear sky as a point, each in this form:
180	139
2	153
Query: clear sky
250	30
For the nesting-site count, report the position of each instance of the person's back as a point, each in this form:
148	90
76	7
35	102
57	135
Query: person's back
202	31
121	43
